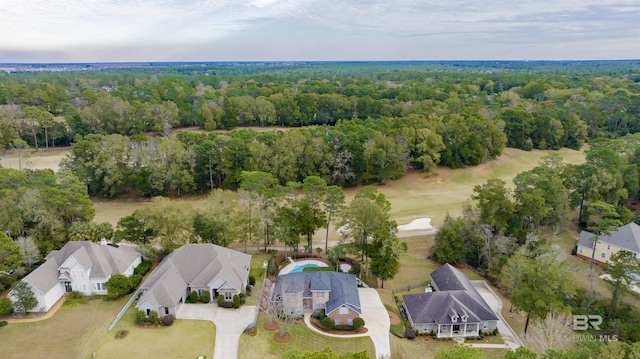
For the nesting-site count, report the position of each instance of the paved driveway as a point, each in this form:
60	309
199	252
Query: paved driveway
230	324
511	340
376	320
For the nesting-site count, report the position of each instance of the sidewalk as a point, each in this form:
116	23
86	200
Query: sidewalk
38	318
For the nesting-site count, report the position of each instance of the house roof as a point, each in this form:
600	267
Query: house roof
102	260
626	237
455	296
342	286
196	266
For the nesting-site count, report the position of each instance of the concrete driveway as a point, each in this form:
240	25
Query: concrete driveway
376	319
230	324
511	340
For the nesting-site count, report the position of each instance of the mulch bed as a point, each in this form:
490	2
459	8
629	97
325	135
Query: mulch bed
318	324
393	318
270	325
281	339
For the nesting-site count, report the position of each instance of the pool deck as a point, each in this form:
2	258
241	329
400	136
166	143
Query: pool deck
289	267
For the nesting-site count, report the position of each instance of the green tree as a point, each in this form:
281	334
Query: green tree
494	203
23	298
262	189
624	272
133	229
450	246
333	204
385	263
10	253
520	353
118	285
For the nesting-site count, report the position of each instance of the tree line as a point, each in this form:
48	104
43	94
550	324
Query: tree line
545	110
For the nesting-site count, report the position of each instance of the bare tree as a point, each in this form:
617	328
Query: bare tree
29	249
553	332
287	307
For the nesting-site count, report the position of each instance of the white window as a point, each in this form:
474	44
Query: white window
320	294
99	286
608	246
84	287
83	274
602	255
344	310
635	254
580	251
485	325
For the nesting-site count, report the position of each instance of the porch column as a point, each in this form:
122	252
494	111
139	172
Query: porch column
438	336
477	329
451	331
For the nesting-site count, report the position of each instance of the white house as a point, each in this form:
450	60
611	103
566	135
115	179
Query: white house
79	266
626	238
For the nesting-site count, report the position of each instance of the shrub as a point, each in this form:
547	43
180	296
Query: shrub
344	327
328	322
236	301
121	333
141	317
318	269
409	333
193	297
118	285
6	306
220	300
153	317
243	298
134	281
319	314
142	268
206	296
3	323
358	323
252	280
494	332
249	288
167	320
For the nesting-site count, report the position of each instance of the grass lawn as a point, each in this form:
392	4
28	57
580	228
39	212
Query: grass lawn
73	332
419	348
40	159
263	346
183	339
258	272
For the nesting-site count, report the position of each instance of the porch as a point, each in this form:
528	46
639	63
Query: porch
458	330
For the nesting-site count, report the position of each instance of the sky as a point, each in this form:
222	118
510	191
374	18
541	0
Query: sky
317	30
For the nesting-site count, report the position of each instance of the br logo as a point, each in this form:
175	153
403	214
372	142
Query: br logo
583	322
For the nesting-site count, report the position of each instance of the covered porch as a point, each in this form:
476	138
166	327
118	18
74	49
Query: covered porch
458	330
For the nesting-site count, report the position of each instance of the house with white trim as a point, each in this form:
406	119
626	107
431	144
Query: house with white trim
79	266
625	238
194	267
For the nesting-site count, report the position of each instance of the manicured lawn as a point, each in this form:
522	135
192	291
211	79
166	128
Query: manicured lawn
263	346
419	348
73	332
183	339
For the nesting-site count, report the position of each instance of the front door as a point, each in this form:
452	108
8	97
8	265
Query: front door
456	328
67	287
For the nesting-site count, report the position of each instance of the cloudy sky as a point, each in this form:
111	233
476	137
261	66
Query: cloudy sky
263	30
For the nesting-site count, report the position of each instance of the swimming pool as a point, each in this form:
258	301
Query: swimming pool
301	268
296	267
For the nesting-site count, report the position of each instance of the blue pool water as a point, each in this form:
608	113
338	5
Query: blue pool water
302	267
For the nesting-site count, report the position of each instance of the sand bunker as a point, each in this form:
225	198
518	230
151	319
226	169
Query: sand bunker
420	223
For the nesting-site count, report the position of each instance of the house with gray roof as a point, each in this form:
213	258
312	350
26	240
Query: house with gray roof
335	293
626	238
79	266
194	267
453	309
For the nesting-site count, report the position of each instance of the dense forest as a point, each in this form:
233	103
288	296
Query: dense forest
348	123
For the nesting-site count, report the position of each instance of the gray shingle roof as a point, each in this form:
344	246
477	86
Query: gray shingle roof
103	261
627	237
455	296
343	288
194	265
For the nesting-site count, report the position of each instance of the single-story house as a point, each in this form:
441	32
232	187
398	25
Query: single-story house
79	266
194	267
335	293
453	309
626	238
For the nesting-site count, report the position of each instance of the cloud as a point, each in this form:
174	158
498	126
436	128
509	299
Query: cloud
64	26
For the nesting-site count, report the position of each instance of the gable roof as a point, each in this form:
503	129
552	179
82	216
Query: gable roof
455	295
342	286
626	237
102	260
197	266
